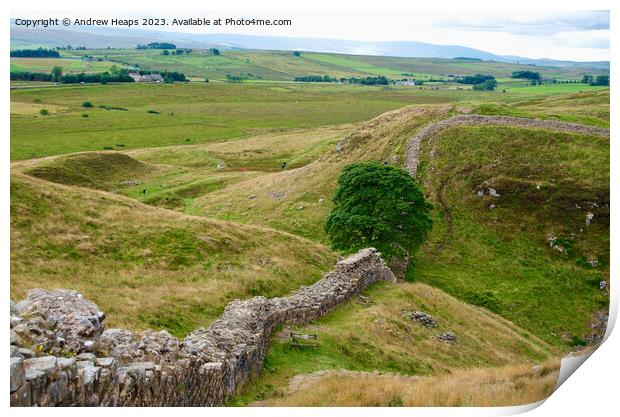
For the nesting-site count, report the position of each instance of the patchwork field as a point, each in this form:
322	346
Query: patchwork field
69	65
284	66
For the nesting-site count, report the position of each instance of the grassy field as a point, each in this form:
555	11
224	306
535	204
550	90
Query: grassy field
202	113
189	114
69	65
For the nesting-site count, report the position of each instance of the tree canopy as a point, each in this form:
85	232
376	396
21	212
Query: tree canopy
474	79
157	45
380	206
528	75
486	85
34	53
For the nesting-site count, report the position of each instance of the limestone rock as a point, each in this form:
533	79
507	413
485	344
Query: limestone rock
18	376
424	319
448	337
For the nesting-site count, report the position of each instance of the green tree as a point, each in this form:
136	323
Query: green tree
380	206
56	74
296	53
165	52
214	51
486	85
601	80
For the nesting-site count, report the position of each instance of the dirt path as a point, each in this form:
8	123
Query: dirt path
413	147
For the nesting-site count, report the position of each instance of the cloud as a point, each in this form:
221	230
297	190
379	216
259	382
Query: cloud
591	39
539	23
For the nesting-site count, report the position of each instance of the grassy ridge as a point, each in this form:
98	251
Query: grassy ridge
299	200
99	170
590	108
147	267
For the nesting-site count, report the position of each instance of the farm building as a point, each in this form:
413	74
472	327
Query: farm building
146	78
404	82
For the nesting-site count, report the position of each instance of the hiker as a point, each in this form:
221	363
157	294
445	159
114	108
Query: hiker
283	166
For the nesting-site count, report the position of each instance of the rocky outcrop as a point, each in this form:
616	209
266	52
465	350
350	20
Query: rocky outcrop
413	147
62	356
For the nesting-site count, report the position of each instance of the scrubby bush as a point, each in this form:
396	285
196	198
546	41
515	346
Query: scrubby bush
87	104
380	206
44	112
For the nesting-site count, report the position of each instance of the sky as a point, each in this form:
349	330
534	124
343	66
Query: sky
576	35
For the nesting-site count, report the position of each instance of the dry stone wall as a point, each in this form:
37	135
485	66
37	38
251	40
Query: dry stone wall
61	355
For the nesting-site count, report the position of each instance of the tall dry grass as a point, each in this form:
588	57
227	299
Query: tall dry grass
485	387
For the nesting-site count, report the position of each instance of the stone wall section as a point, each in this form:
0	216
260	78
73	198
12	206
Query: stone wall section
61	355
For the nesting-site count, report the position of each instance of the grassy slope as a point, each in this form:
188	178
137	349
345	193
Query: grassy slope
376	336
147	267
501	258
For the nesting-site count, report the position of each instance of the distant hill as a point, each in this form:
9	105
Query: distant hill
126	38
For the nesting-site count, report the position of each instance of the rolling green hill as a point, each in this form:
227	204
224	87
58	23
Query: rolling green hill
284	66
